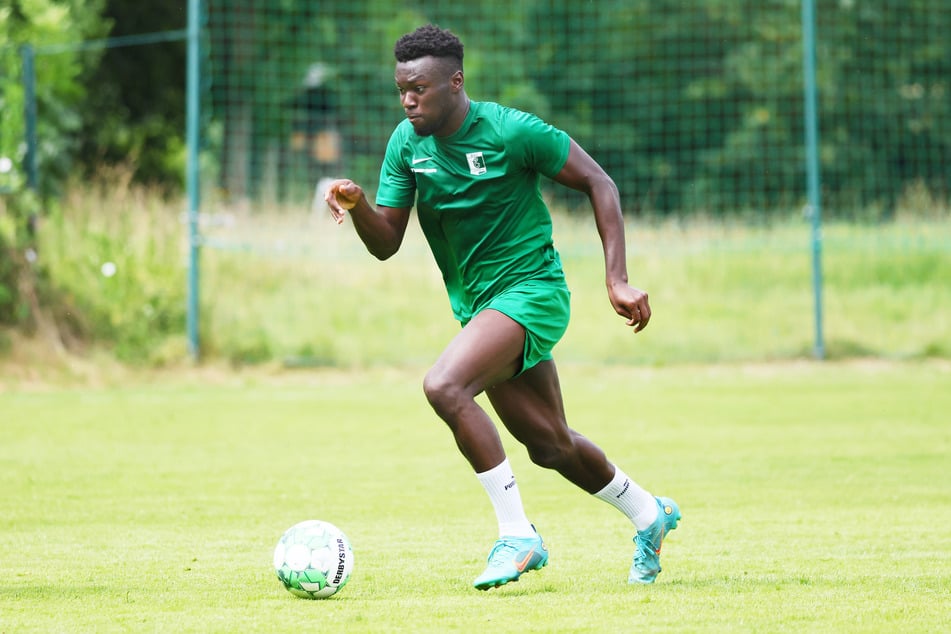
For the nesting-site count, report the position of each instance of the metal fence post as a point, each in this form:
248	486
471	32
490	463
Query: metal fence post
192	114
812	162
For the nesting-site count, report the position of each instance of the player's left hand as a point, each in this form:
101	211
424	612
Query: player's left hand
630	303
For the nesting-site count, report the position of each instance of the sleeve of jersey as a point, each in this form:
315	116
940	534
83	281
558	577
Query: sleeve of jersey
397	185
543	146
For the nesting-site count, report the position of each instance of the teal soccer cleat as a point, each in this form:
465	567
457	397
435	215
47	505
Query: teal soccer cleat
647	543
510	557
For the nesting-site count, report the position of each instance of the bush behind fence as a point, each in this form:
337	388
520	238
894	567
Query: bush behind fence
692	107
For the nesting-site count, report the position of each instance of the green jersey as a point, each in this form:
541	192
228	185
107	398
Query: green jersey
478	200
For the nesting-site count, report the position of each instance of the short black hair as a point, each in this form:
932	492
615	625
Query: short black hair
428	40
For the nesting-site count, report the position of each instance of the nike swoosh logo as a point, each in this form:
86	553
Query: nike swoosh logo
520	565
663	532
420	160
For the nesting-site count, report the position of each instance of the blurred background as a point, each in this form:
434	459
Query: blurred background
699	110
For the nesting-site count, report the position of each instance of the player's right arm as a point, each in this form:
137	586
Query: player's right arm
381	229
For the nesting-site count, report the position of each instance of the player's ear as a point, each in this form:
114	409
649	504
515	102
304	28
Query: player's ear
457	80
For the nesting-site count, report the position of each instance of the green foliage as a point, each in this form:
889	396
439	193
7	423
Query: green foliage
60	85
9	270
155	504
25	289
879	121
135	115
17	251
117	259
692	107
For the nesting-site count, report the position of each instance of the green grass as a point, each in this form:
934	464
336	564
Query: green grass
815	498
285	285
719	292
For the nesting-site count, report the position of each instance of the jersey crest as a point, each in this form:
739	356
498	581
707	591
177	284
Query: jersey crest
476	163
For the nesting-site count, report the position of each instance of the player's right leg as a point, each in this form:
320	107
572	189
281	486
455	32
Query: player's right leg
510	558
487	351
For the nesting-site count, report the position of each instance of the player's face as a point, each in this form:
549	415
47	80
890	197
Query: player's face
428	91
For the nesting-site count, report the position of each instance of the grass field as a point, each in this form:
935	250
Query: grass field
816	498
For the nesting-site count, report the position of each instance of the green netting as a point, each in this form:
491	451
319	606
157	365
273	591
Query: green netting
693	107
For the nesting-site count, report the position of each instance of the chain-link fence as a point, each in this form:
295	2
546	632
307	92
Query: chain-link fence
694	108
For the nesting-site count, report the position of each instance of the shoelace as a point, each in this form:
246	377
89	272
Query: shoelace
502	560
645	547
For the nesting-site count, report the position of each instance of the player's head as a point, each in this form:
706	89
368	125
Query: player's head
430	41
430	80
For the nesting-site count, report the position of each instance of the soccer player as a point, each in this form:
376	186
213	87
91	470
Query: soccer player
473	170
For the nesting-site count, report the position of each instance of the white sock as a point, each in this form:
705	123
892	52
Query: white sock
499	483
626	496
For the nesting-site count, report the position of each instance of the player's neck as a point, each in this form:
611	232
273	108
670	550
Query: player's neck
458	117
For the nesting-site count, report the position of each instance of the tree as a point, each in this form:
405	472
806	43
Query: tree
42	24
885	107
134	112
59	91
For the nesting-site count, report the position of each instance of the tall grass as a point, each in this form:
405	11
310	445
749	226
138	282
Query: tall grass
719	292
292	286
115	255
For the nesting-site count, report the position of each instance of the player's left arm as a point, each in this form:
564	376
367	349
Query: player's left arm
583	173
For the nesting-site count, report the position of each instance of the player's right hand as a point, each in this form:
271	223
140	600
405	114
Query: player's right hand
341	196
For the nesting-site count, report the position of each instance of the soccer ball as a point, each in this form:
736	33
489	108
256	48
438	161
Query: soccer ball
313	559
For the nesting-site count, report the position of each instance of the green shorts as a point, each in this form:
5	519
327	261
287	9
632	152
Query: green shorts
543	309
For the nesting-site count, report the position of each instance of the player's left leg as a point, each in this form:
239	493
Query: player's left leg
532	409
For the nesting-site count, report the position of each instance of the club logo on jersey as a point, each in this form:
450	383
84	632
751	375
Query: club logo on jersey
476	163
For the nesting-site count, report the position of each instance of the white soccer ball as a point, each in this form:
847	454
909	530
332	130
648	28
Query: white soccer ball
313	559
